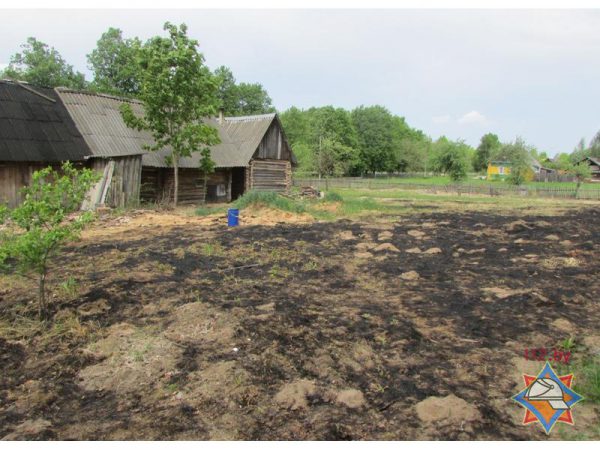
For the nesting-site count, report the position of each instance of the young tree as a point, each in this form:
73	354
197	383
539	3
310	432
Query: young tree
178	92
489	145
43	66
581	171
453	160
114	64
207	166
519	156
43	227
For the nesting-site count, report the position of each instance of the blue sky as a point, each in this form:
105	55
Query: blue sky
461	73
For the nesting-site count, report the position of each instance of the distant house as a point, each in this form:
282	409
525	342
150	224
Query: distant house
253	154
594	164
36	131
500	170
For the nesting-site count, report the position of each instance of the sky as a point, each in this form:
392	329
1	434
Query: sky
459	73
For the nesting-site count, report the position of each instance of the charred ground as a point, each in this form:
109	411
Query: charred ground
329	330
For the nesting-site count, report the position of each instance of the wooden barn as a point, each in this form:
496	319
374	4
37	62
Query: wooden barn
115	151
253	153
36	131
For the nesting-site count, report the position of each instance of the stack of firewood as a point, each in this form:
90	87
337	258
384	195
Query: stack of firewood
309	191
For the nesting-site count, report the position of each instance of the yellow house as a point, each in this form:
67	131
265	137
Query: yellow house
500	170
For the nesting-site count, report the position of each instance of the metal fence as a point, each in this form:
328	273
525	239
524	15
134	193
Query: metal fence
466	188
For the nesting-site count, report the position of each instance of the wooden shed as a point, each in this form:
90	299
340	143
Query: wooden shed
112	145
36	131
253	154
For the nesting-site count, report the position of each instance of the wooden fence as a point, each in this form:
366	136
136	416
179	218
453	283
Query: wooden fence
466	188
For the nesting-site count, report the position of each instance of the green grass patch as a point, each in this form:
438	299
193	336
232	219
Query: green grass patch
269	199
588	382
333	196
206	210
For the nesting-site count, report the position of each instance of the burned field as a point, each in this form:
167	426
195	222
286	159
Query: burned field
395	328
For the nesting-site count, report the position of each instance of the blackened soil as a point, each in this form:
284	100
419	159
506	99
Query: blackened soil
306	307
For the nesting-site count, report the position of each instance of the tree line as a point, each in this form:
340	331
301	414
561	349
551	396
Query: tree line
115	65
327	141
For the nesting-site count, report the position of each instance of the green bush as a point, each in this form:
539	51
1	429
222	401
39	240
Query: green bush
332	196
270	199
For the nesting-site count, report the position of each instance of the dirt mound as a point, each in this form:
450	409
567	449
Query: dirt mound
352	398
132	358
35	429
387	247
262	215
448	409
294	395
199	323
410	276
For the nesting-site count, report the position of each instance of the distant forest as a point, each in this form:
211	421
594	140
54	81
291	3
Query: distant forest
327	141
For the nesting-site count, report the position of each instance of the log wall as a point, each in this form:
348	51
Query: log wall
270	175
157	185
13	177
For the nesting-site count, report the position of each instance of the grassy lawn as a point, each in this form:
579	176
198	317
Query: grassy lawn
344	203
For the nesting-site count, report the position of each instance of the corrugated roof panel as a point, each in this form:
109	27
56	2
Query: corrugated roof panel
35	126
99	120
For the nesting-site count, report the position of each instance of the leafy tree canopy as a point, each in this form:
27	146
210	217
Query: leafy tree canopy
489	145
114	64
178	92
39	64
241	99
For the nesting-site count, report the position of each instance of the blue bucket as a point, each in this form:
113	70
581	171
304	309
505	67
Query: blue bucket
233	216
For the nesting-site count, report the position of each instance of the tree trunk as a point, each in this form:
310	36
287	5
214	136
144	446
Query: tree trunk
42	309
204	184
577	188
175	179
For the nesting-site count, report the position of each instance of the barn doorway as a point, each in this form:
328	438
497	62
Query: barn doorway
237	182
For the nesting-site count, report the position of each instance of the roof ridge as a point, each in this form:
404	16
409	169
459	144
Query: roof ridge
249	118
98	94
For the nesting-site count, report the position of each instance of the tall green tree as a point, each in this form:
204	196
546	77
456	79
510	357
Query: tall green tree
452	158
489	145
114	64
227	91
39	64
253	99
374	126
178	91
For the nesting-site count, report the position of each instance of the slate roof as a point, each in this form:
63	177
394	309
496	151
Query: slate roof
36	127
99	120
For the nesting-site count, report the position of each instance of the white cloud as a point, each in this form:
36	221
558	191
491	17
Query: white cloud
473	118
441	119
